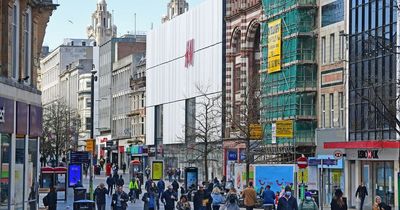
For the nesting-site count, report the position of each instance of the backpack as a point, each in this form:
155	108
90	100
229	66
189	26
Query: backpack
232	198
217	199
46	201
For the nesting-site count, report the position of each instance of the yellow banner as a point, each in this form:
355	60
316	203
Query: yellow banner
274	45
284	128
256	132
302	175
90	145
157	169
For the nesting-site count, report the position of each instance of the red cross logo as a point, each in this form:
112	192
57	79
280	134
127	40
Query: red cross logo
189	53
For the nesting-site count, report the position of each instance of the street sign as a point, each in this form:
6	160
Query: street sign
302	162
79	157
302	176
338	154
90	145
109	143
256	131
316	162
284	128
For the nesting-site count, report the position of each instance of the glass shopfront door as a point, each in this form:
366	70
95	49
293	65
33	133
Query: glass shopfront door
378	177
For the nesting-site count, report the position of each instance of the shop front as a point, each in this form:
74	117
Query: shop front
376	165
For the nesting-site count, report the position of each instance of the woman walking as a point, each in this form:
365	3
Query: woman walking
379	205
338	202
217	198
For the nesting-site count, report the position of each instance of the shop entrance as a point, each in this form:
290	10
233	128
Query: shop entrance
378	177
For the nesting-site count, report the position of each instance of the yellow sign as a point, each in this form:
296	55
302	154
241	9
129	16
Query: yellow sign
284	128
302	175
157	169
256	131
90	145
274	45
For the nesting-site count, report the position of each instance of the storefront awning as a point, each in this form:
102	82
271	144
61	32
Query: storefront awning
369	144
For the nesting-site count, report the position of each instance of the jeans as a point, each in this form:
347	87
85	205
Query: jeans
215	207
110	189
362	203
101	206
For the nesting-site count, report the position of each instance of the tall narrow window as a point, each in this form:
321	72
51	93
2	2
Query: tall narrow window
323	50
341	110
15	40
332	110
190	116
332	48
323	111
342	45
28	47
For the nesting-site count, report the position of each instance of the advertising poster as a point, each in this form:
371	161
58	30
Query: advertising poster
157	170
240	176
230	170
74	174
277	176
191	175
274	46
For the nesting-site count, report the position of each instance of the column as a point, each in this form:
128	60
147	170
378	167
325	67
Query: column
396	182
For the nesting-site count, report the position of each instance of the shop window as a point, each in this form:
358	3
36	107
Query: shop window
5	158
19	176
31	172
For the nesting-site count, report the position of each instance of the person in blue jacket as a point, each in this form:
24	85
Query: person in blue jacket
268	196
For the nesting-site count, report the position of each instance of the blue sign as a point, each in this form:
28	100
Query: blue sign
232	155
276	176
74	174
242	155
328	161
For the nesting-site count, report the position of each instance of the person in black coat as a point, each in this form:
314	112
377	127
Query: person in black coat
52	199
337	202
168	198
99	196
119	199
110	184
175	186
198	199
120	181
287	202
361	193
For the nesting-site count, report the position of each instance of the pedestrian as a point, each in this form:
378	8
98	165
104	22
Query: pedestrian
116	177
183	203
217	198
250	197
179	172
110	184
287	201
175	186
169	172
147	172
133	187
337	202
50	200
200	199
119	199
182	189
147	185
123	167
120	181
99	196
379	205
361	193
168	198
160	190
216	182
232	200
268	197
308	203
149	199
85	169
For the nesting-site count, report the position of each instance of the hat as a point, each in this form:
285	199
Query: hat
287	189
308	194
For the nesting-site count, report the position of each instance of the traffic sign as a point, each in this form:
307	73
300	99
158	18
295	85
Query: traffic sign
338	154
302	162
316	162
109	143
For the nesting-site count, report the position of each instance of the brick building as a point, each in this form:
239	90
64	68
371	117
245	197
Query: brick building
22	26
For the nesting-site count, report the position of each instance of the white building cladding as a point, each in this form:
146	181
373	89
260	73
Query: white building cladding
168	82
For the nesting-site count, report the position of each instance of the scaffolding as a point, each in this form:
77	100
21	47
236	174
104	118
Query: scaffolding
290	94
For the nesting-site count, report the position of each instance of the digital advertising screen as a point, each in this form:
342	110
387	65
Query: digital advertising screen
191	175
157	170
74	174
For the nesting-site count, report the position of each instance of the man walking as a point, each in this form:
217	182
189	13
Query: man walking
100	196
119	199
168	198
268	197
250	197
287	201
110	184
361	193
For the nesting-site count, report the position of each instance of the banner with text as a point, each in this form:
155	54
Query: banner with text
284	128
274	45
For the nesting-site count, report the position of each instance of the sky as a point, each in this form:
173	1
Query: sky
72	17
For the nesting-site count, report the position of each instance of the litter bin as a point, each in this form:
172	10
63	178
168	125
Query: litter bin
84	204
79	193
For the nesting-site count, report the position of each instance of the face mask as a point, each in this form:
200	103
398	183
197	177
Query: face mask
308	198
288	194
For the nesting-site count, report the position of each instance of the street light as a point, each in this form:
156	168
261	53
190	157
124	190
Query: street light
93	78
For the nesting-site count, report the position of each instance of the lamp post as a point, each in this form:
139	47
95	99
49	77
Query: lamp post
93	78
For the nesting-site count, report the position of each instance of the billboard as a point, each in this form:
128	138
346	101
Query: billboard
74	174
277	176
284	128
191	178
274	45
157	170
